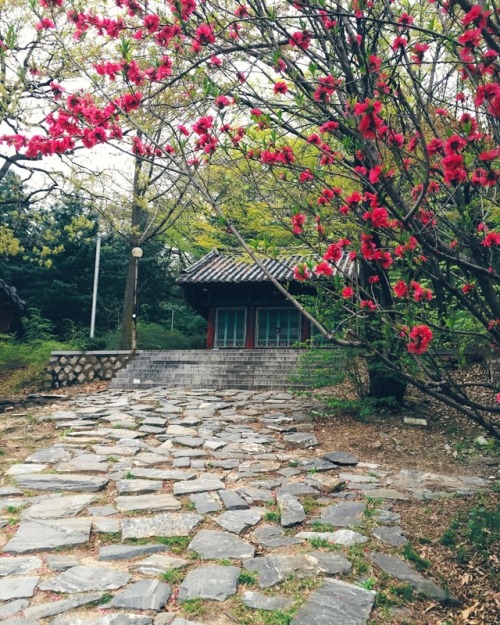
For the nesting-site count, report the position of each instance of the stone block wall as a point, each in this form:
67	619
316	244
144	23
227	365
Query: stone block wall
495	370
68	368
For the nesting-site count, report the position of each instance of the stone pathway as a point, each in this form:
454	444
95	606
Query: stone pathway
153	502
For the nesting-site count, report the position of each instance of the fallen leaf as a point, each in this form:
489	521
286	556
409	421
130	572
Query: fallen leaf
468	611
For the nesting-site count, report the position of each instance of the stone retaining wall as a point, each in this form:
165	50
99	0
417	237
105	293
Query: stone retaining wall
495	370
68	368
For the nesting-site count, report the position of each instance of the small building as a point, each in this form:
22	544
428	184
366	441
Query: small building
244	309
11	306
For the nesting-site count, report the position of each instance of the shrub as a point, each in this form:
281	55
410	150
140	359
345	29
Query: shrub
23	364
155	336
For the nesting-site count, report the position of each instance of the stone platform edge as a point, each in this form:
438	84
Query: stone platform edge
80	367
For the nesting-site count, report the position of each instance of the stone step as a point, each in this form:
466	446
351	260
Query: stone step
215	371
232	368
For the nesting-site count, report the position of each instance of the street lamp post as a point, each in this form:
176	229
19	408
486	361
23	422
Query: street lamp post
136	253
96	283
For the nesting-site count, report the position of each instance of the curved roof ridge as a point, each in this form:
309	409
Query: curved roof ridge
227	267
11	293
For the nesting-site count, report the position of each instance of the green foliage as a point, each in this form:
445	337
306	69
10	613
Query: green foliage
106	598
176	544
310	505
473	533
421	564
357	558
36	328
194	607
394	595
372	503
368	584
272	516
248	578
23	364
55	273
322	543
317	526
405	591
318	368
156	336
175	576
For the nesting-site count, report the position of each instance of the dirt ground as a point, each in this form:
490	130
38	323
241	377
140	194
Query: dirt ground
452	445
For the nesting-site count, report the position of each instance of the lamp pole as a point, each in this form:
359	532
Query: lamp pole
96	283
136	253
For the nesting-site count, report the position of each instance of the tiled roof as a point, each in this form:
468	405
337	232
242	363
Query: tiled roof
218	267
11	293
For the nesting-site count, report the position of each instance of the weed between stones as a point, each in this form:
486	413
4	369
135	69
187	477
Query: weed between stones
175	576
176	544
194	607
248	578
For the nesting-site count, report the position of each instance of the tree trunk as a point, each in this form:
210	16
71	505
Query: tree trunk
136	216
384	383
125	341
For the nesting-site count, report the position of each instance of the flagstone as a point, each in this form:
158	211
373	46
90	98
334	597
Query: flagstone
53	482
157	502
215	545
85	579
45	535
57	507
17	587
168	525
210	582
336	603
19	565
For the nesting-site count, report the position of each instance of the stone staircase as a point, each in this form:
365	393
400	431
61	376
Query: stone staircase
270	369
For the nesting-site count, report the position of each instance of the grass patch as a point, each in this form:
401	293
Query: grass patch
248	578
137	541
368	584
111	537
296	586
356	556
272	516
372	505
394	595
473	533
175	576
247	616
176	544
322	543
310	505
23	364
106	598
421	564
194	607
317	526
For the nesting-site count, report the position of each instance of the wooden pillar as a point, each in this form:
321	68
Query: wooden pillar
250	338
211	328
305	329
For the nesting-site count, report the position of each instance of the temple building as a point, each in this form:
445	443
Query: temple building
244	309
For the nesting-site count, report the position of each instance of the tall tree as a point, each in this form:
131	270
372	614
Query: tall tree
400	101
